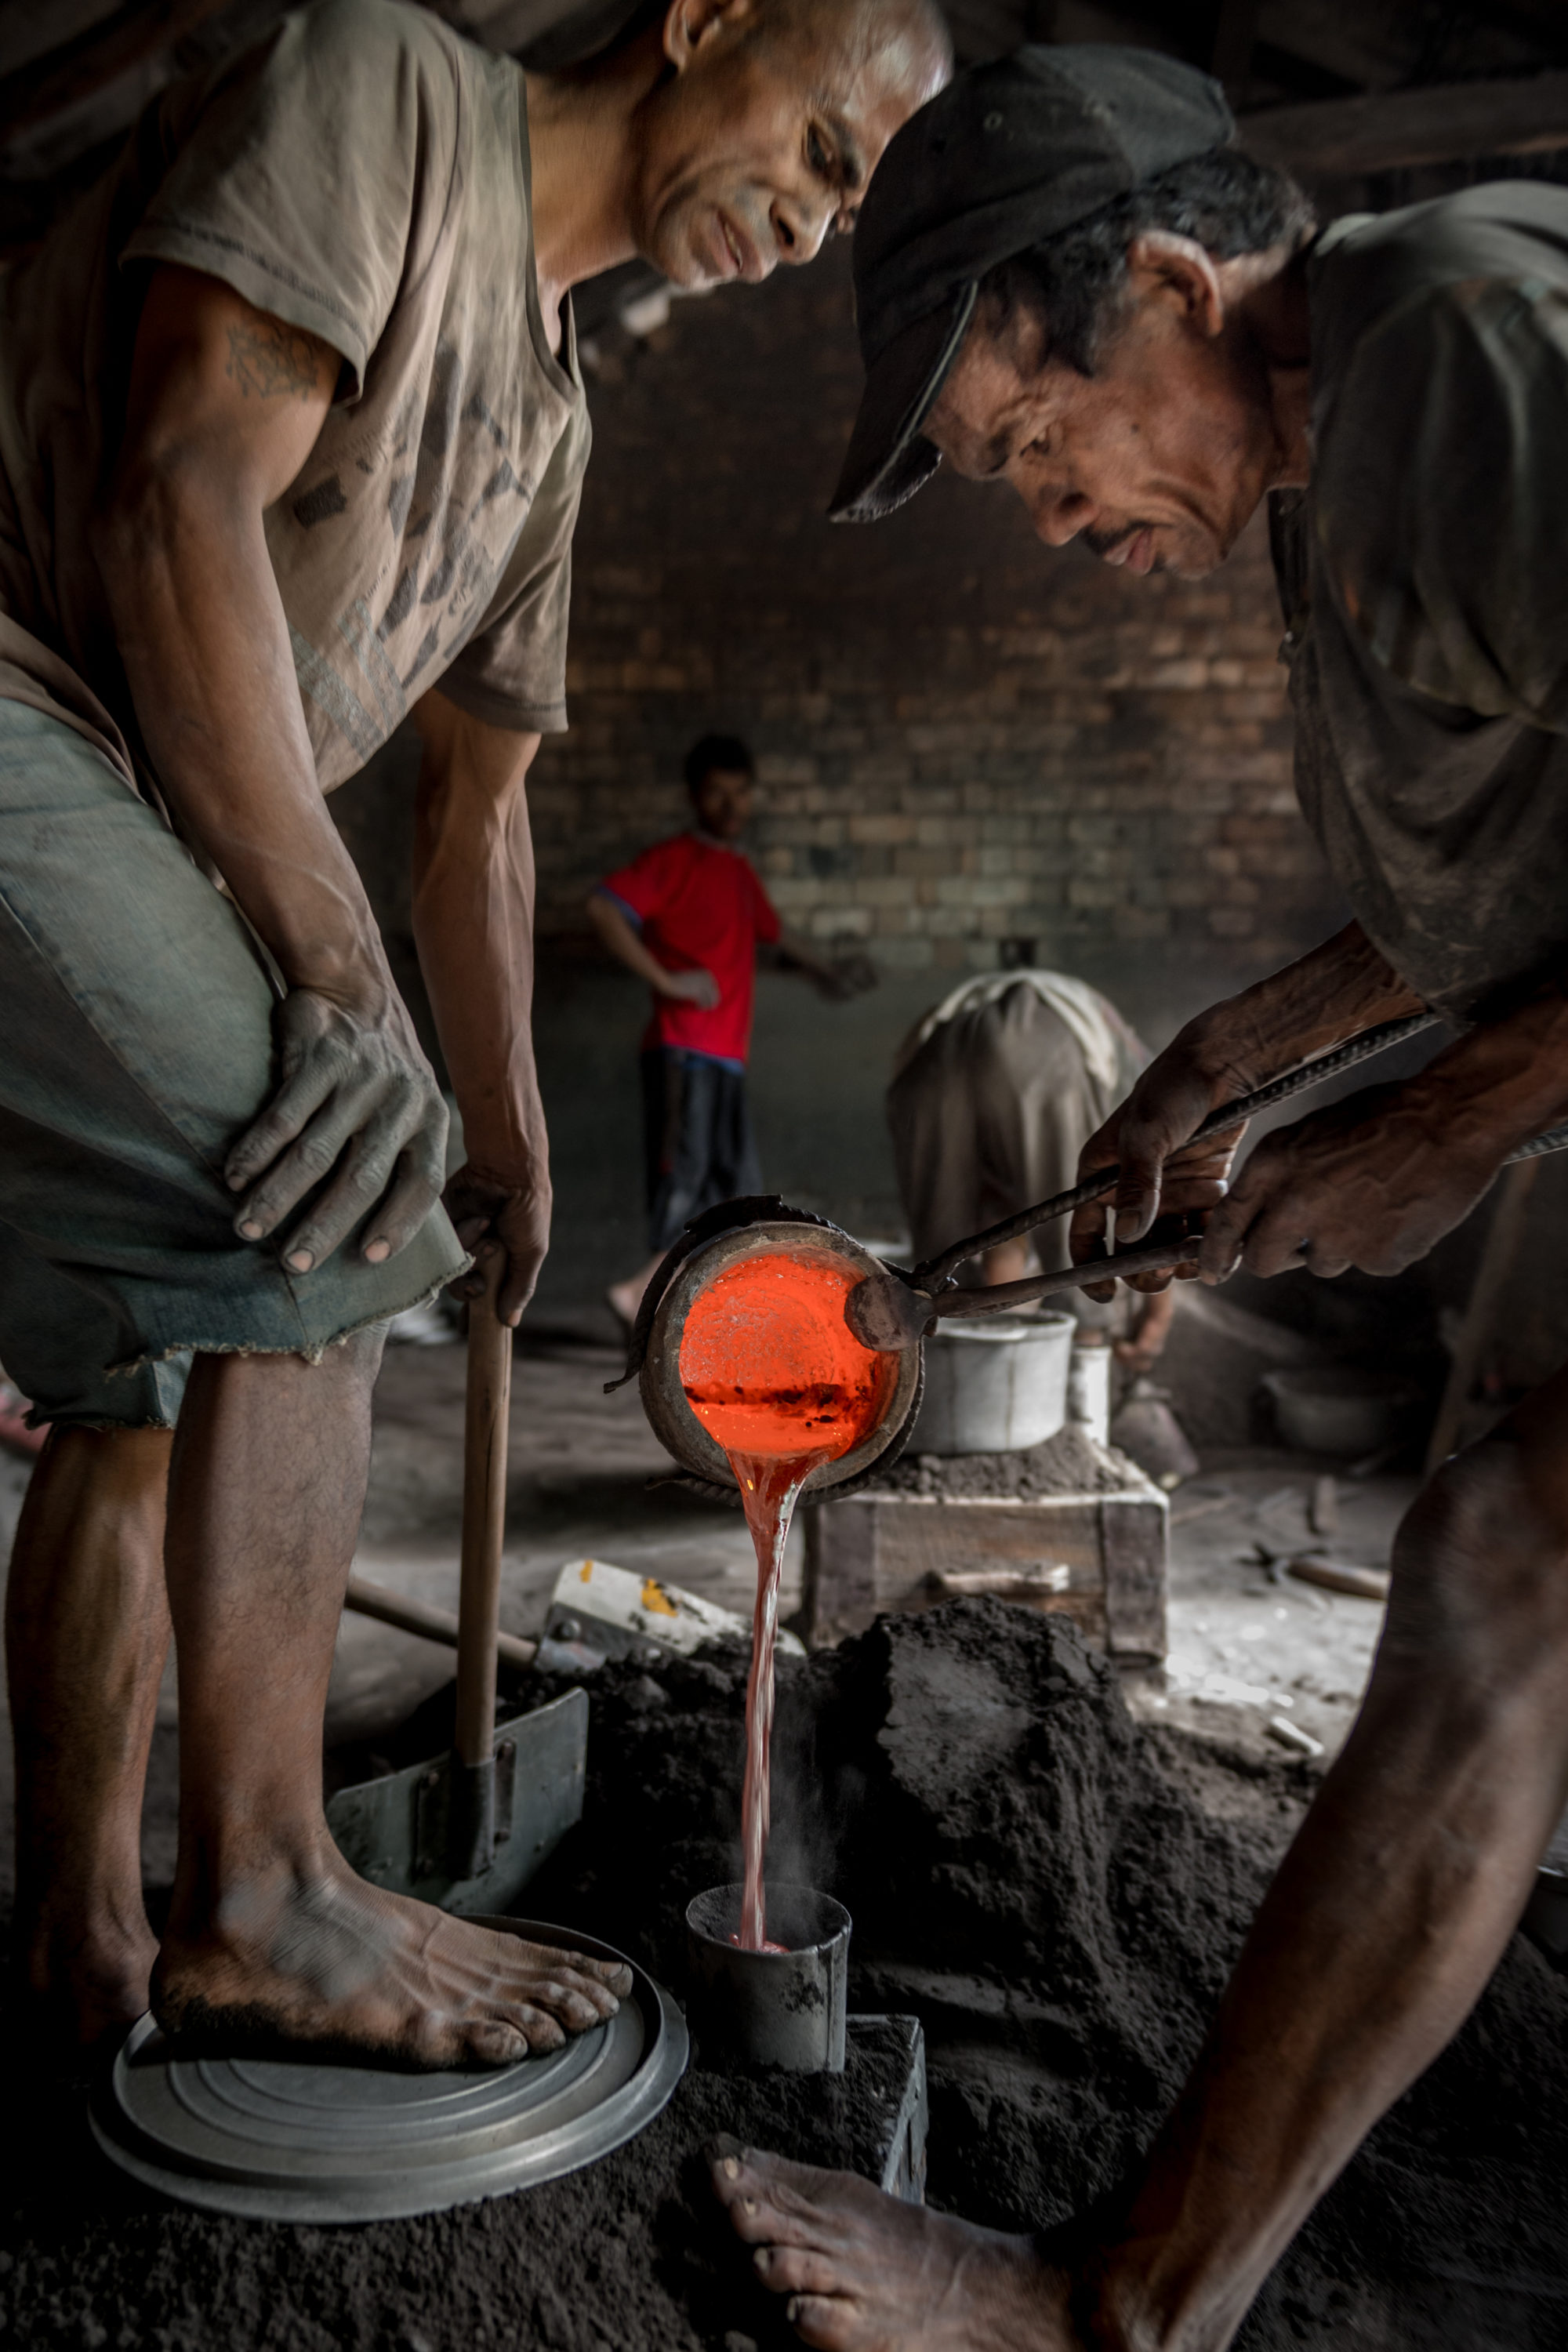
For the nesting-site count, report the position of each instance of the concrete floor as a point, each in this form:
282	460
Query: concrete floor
1248	1646
1244	1649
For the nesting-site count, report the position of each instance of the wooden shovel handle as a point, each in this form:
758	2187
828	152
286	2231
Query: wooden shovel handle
484	1514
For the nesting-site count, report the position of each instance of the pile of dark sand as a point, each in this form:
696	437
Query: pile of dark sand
1057	1893
1068	1464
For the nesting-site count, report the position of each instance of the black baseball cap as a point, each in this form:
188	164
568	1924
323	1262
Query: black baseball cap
1010	154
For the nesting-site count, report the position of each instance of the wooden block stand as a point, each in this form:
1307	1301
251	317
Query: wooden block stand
1100	1558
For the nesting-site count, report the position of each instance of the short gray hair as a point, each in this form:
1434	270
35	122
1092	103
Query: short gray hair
1225	201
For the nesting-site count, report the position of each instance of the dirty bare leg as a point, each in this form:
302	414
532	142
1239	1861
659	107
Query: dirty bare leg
87	1632
1388	1914
271	1932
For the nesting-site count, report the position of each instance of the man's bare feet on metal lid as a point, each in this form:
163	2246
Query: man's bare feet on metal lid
317	1956
866	2273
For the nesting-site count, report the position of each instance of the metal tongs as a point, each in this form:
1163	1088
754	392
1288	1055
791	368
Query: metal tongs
896	1309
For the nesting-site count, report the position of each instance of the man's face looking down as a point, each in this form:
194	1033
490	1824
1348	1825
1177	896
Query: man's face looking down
722	800
1159	460
761	138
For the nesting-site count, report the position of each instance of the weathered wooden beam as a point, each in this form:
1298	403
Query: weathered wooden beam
65	76
1344	136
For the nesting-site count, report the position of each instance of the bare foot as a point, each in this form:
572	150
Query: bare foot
90	1975
866	2274
322	1957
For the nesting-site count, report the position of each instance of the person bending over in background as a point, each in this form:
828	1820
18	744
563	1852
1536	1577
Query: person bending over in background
995	1093
690	917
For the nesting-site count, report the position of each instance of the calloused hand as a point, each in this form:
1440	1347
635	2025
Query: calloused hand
697	987
1371	1182
359	1105
488	1205
1145	1137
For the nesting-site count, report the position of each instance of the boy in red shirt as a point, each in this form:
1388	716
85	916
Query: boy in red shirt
687	917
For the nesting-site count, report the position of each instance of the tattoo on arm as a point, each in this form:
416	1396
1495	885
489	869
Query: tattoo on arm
275	362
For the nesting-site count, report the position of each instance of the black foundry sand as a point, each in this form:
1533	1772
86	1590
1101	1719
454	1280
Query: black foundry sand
1055	1893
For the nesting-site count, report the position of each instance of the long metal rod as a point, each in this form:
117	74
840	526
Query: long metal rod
1294	1082
389	1608
999	1298
484	1517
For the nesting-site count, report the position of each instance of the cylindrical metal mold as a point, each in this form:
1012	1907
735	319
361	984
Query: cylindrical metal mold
995	1386
770	2009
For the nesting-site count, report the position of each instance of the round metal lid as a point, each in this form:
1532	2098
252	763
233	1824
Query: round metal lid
288	2140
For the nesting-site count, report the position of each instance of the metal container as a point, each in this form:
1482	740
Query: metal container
770	2009
1337	1409
995	1386
1088	1389
664	1398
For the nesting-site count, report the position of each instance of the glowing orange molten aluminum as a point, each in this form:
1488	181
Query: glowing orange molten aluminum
770	1367
777	1377
753	1377
747	1351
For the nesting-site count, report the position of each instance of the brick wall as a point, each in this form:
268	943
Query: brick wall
964	738
972	749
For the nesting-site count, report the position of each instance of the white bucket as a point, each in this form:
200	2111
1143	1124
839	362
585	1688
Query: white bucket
1088	1391
993	1385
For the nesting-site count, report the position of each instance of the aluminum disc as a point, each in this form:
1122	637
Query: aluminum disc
290	2140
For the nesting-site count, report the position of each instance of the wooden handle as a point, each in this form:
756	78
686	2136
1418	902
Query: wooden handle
430	1625
484	1514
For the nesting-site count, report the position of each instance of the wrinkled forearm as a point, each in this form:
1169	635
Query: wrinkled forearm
473	926
201	630
1500	1084
1342	988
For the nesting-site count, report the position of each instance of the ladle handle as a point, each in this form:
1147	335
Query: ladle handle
998	1298
1229	1115
485	1415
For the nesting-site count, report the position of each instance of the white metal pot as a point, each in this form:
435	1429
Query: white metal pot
995	1385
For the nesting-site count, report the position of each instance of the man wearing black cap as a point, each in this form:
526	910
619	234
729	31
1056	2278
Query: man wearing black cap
1070	282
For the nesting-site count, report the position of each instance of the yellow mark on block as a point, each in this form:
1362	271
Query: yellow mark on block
586	1571
656	1598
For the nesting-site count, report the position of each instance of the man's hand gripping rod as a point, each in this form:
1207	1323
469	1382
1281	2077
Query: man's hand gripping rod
895	1309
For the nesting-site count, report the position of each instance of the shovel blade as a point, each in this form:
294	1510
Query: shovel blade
397	1832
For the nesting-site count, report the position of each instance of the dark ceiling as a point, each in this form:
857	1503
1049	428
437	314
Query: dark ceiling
1292	51
74	73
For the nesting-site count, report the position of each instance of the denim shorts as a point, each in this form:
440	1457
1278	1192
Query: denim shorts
135	1047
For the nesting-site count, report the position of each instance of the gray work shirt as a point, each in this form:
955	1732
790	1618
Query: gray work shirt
1425	581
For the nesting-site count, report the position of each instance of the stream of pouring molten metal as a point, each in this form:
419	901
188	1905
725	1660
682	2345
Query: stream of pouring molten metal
777	1377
